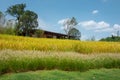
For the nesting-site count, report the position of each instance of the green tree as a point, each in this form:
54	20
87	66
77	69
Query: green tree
16	11
68	24
74	34
113	39
26	20
39	33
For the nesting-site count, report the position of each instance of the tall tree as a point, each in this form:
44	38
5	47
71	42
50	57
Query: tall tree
74	34
69	25
17	11
26	20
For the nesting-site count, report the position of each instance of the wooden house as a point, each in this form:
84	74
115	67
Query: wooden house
49	34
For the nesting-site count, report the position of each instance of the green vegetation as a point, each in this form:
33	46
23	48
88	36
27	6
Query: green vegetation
101	74
74	33
20	61
26	20
113	38
69	28
22	54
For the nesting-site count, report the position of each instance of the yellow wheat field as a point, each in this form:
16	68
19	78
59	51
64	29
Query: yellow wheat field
43	44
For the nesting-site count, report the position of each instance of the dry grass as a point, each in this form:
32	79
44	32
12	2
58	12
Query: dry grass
17	61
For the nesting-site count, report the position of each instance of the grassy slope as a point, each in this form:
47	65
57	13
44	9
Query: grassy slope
27	43
20	61
101	74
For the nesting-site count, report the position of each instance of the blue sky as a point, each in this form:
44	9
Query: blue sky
99	18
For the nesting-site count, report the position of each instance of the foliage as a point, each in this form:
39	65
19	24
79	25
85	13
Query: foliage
112	74
6	26
113	38
16	10
26	20
39	33
68	24
20	61
7	30
74	33
42	44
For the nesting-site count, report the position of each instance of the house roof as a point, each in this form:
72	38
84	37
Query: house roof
54	33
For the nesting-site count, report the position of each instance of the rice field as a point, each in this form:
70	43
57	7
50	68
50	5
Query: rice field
42	44
20	54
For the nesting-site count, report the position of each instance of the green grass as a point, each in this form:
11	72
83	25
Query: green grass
101	74
20	61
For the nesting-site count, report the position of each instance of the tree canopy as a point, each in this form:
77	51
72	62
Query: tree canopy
69	28
28	22
113	39
75	33
26	19
16	10
69	24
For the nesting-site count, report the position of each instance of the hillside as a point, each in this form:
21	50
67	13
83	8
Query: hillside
44	44
23	54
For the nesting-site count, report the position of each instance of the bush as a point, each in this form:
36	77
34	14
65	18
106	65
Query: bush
7	30
39	33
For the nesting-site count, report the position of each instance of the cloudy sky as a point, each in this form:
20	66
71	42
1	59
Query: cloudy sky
99	18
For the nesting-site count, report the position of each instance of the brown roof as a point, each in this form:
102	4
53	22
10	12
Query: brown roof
53	33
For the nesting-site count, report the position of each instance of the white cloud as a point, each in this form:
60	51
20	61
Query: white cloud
116	27
64	25
100	27
95	11
88	24
105	30
63	21
94	25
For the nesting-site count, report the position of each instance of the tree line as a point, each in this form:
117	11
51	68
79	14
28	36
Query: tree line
112	38
24	22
